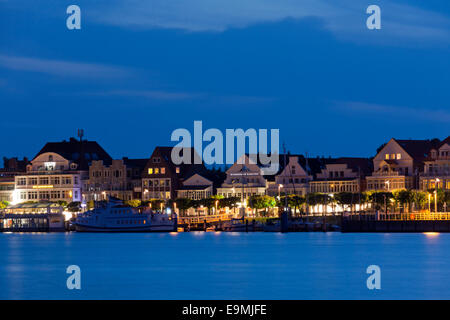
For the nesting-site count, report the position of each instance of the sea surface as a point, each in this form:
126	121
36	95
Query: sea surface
200	265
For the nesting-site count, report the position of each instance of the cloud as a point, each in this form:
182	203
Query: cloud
62	68
432	115
345	18
150	94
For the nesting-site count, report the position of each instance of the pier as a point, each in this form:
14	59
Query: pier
397	222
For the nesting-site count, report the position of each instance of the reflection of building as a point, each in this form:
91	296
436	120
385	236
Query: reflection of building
398	164
33	217
120	179
11	168
162	178
437	168
341	175
58	171
245	178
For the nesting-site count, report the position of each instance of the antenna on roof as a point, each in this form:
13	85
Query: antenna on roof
80	134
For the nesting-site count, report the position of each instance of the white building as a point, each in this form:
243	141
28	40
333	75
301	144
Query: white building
58	172
436	172
244	179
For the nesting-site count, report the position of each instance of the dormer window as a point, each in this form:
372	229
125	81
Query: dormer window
73	166
50	158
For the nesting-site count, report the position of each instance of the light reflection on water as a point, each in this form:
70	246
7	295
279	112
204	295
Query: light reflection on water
223	265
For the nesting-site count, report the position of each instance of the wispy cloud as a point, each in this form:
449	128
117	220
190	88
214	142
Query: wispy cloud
149	94
345	18
433	115
62	68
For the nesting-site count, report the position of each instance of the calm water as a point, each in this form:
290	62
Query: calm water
224	265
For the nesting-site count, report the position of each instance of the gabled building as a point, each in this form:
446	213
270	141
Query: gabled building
245	178
58	171
436	173
292	178
195	187
121	179
162	178
399	163
341	175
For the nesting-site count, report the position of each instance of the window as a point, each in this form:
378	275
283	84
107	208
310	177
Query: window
156	170
399	156
150	170
21	181
177	170
386	156
163	170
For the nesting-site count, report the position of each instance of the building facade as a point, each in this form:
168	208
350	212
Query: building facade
58	172
121	179
293	178
245	178
196	188
341	175
436	173
399	164
11	168
161	177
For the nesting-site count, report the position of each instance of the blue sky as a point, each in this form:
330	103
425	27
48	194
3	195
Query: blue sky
137	70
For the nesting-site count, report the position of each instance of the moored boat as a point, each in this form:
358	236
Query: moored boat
114	216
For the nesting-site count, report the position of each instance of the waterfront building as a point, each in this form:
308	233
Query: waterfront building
399	163
436	173
293	178
245	178
32	217
120	179
196	187
58	171
341	175
11	168
161	178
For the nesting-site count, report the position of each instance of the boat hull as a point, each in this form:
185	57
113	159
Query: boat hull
155	228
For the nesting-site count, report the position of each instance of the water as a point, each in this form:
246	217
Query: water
224	265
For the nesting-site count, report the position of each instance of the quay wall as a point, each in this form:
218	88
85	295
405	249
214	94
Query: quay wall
395	226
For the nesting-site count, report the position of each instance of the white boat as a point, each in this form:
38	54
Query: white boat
114	216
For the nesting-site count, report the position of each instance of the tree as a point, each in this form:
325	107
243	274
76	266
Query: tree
404	198
419	198
381	199
345	199
183	204
133	203
74	206
294	201
4	204
259	202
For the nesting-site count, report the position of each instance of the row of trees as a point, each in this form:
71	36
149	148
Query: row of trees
398	201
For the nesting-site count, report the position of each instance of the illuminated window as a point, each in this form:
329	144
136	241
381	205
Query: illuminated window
150	170
156	170
177	170
399	156
163	170
387	156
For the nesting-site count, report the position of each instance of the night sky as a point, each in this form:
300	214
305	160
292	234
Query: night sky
137	70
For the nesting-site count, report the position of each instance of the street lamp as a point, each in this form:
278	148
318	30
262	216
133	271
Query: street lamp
429	202
435	195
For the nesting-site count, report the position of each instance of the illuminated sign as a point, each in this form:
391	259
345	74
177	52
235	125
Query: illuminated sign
43	187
